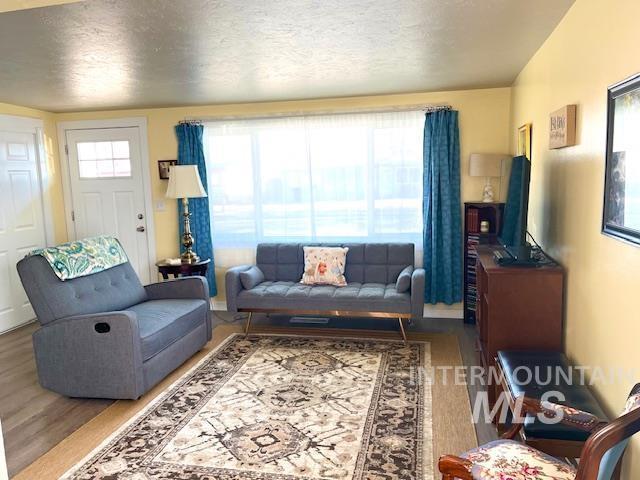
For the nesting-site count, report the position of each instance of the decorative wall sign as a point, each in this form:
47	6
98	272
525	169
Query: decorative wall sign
163	168
524	141
621	216
562	127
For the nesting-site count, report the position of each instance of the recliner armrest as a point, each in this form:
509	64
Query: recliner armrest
417	292
183	287
233	285
96	355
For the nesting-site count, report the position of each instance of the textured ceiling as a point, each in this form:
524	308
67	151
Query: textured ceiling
100	54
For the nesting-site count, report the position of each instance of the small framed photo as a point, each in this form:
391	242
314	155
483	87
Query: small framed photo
164	166
524	141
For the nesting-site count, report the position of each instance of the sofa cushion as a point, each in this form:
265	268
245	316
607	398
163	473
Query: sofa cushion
162	322
251	277
366	262
403	284
360	297
324	266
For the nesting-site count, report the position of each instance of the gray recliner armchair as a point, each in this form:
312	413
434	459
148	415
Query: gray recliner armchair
105	335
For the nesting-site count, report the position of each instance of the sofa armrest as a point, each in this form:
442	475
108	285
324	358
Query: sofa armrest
183	287
96	355
233	285
417	293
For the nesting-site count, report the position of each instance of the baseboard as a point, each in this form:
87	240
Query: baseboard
443	311
430	311
28	322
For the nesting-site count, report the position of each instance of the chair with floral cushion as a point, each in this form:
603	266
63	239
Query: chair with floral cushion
508	459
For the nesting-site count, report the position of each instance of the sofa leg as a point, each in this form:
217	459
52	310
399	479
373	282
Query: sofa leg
247	324
404	335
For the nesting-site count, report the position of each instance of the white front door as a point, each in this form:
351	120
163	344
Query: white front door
107	190
21	221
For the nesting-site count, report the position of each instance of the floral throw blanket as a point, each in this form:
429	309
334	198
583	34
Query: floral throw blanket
83	257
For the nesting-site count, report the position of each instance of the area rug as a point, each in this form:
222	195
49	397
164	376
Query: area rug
273	407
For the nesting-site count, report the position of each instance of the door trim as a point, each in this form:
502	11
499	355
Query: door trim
35	126
141	124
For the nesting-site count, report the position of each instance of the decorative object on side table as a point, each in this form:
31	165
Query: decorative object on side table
562	127
487	165
621	216
168	267
184	183
164	167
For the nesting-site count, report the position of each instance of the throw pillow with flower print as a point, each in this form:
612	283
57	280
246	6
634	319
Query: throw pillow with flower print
324	266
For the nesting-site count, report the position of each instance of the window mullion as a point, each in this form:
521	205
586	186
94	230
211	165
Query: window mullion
312	214
257	189
371	184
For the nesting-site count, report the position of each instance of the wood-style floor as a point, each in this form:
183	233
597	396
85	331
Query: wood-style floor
35	419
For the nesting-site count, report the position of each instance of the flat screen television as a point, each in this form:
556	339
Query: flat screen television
513	235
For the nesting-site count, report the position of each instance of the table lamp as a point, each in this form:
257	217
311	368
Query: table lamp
184	183
486	165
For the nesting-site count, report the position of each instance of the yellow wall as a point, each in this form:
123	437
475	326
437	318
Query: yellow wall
54	190
9	5
484	118
594	46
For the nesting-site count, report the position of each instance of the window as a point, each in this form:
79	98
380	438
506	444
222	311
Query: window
319	178
104	159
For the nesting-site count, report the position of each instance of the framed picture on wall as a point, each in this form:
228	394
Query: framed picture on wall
163	168
621	213
524	141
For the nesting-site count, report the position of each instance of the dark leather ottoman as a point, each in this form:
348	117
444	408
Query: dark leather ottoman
555	373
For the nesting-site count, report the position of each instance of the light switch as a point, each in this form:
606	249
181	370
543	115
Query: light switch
160	206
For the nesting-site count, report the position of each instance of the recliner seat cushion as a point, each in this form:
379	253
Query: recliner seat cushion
162	322
361	297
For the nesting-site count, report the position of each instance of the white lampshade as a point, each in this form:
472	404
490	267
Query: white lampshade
184	182
486	164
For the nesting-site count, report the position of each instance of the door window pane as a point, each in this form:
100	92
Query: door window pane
104	159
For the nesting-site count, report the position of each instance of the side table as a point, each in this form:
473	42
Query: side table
183	269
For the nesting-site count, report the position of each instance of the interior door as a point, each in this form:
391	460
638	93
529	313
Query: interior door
21	222
107	190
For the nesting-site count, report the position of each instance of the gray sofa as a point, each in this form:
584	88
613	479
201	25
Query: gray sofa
105	335
372	271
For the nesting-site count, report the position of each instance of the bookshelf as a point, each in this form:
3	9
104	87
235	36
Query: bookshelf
474	213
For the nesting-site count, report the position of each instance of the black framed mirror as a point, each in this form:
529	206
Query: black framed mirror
621	215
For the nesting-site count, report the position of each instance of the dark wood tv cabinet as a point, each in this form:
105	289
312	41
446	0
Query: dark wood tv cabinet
518	308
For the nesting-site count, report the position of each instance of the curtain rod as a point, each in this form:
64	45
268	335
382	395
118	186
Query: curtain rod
299	113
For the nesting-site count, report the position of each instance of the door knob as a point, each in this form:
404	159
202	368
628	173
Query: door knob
140	229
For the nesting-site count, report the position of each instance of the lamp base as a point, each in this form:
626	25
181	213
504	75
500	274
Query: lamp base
189	256
487	193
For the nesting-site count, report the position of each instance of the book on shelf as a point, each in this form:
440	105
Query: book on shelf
473	220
